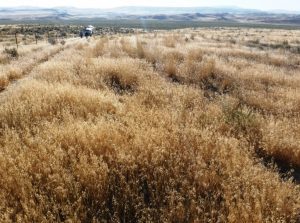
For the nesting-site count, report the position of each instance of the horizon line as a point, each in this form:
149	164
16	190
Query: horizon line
147	6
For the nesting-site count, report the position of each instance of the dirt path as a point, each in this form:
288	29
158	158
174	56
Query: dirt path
28	70
21	69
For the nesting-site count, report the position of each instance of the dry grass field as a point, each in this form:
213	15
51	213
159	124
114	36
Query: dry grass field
172	126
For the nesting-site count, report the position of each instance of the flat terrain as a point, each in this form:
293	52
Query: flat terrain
197	125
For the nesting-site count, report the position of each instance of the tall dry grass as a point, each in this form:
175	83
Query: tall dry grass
129	129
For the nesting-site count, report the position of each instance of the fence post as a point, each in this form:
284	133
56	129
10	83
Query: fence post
16	40
35	38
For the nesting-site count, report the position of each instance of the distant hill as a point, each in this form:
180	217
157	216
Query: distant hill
232	14
180	10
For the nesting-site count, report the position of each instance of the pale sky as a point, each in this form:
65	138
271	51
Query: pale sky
292	5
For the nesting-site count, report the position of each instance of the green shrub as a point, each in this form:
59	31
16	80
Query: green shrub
243	123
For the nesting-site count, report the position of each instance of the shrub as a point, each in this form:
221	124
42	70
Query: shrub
256	42
38	37
52	41
243	123
171	61
192	37
214	80
11	52
14	74
170	68
232	41
195	55
63	34
119	76
296	50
